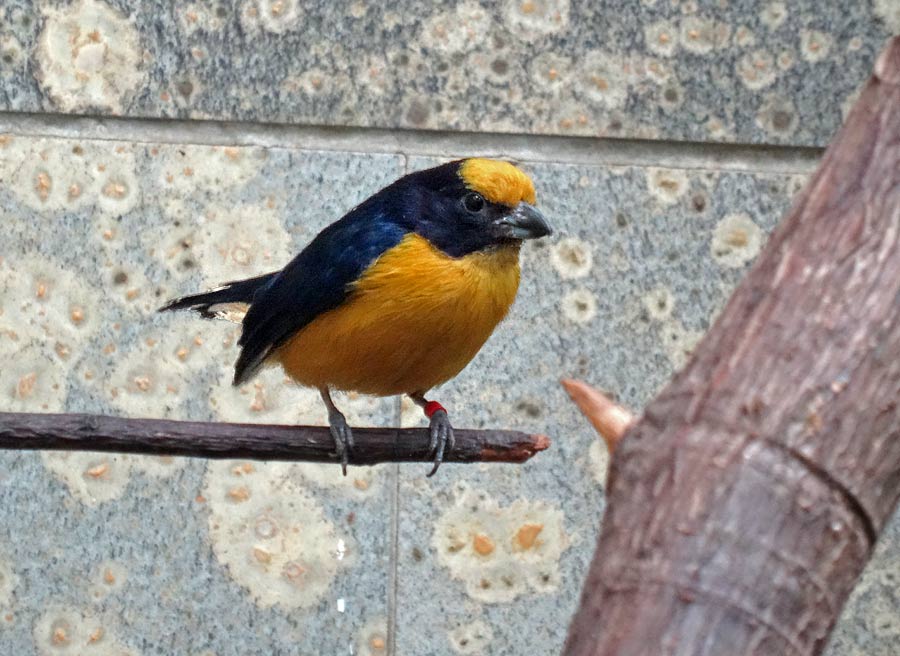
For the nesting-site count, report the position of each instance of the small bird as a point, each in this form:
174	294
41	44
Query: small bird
396	297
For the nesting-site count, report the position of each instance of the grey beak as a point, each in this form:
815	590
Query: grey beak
525	222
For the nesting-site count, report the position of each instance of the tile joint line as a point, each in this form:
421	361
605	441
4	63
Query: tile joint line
394	547
523	147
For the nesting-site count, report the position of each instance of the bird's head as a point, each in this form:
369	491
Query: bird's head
473	205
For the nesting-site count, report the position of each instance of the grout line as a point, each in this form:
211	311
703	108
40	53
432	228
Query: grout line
520	147
394	558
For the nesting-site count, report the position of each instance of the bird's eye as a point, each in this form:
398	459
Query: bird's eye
473	202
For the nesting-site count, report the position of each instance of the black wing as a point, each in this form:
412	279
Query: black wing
315	281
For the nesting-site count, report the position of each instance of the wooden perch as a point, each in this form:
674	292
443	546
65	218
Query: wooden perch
160	437
746	501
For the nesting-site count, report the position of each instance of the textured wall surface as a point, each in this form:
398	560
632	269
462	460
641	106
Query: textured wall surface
102	222
742	71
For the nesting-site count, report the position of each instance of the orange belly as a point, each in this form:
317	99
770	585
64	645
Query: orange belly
414	320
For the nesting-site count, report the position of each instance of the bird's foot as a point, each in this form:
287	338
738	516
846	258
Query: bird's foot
343	437
440	432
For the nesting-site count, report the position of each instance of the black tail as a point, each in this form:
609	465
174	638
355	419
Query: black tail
239	291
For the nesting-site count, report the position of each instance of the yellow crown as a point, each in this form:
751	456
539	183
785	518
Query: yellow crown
498	182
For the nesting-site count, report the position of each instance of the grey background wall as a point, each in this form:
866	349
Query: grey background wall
151	148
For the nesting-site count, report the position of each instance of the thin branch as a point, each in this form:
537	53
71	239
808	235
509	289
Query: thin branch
161	437
608	418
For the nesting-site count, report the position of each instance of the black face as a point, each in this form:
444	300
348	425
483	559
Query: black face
460	221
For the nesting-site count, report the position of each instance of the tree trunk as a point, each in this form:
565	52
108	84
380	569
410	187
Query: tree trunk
747	499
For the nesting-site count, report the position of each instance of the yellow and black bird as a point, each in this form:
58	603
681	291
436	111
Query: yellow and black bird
397	296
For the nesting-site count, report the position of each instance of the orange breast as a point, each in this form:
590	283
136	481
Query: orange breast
414	320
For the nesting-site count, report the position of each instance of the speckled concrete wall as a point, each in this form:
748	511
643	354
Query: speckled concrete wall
724	70
102	221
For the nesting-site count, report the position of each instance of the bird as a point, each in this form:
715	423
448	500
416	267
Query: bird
395	297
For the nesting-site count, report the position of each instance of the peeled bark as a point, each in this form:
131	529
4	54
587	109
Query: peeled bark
609	419
746	501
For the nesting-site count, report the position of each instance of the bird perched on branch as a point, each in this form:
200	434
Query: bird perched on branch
396	297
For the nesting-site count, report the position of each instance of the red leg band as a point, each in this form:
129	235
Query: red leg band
431	407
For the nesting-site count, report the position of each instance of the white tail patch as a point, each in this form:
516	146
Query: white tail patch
233	312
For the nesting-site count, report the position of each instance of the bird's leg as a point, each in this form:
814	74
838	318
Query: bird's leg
439	428
340	429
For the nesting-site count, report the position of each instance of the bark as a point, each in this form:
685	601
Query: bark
745	502
74	432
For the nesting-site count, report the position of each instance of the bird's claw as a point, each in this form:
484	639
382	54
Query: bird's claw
343	438
441	434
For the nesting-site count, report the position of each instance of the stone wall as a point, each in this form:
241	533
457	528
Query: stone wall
150	148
